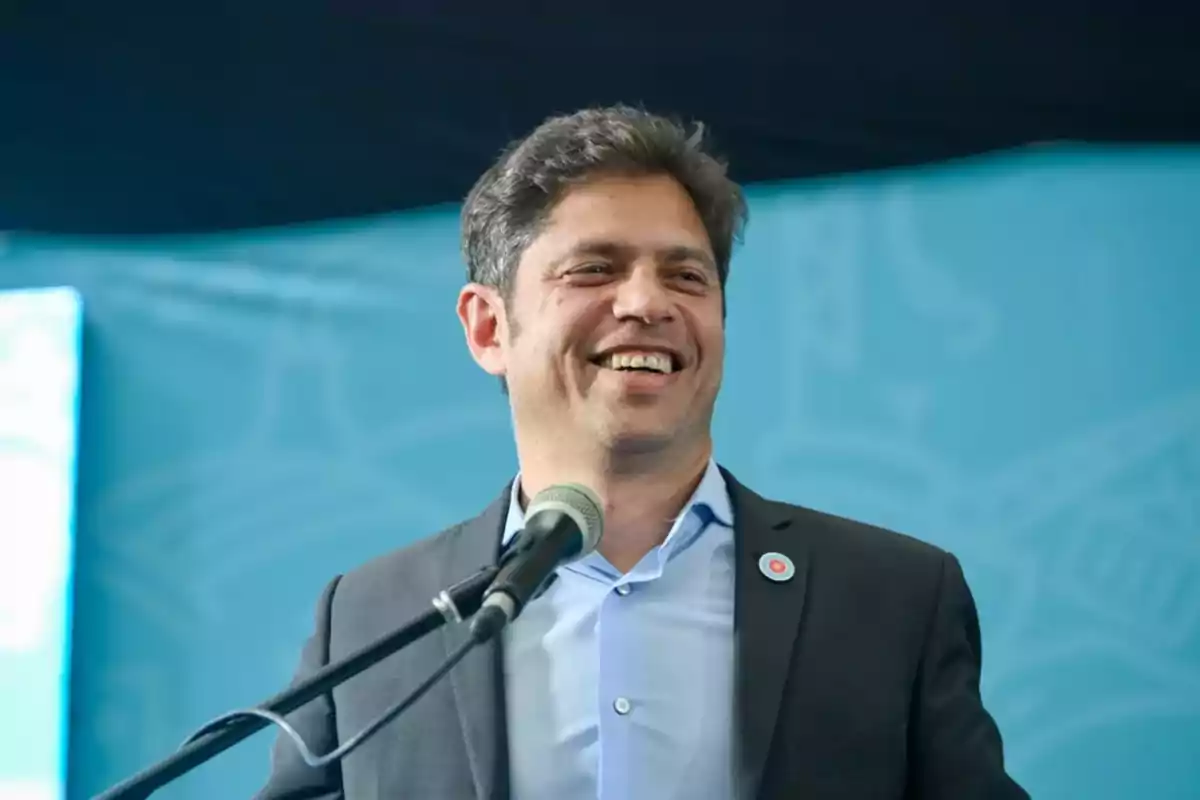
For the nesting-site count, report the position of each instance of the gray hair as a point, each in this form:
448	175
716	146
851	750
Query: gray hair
510	202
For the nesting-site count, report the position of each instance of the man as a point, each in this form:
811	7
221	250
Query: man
717	645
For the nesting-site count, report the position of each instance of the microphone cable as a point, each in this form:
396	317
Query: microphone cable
351	744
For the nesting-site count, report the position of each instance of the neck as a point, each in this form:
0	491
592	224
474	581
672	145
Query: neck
643	493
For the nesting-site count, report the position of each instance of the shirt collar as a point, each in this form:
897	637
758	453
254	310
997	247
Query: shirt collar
710	498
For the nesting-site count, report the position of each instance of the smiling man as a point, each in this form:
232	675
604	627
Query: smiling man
609	334
717	644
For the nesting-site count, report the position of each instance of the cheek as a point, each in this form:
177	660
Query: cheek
540	348
716	360
556	333
710	331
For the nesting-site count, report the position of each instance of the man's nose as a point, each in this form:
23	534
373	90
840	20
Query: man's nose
641	295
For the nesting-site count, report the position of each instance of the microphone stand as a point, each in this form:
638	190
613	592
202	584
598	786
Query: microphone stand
452	605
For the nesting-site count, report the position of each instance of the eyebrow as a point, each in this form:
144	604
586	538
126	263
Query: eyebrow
617	250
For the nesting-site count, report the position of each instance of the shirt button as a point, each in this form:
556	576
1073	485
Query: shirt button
624	589
622	706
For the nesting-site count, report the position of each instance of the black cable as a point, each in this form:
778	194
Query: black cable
320	761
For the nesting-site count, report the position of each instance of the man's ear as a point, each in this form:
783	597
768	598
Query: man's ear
482	312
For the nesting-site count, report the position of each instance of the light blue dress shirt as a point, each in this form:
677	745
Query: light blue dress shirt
620	687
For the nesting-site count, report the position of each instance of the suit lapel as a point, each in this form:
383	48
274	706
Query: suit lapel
478	679
767	619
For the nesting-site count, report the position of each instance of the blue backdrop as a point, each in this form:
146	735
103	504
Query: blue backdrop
1000	357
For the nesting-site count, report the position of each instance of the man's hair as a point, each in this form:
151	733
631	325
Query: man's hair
511	201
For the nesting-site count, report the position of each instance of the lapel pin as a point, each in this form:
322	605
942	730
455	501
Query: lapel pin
776	567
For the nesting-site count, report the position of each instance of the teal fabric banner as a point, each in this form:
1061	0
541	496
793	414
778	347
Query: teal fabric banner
1001	357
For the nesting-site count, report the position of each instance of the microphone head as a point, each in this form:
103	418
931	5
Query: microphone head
578	501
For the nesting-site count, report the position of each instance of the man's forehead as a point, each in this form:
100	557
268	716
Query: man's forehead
627	217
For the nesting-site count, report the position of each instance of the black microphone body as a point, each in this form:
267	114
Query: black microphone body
563	523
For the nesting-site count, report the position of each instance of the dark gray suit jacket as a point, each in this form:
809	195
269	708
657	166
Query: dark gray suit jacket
859	678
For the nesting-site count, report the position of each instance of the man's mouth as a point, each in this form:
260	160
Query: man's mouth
639	361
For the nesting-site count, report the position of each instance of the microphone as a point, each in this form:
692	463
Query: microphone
563	522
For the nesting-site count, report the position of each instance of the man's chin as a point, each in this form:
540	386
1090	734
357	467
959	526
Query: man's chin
626	434
640	443
629	428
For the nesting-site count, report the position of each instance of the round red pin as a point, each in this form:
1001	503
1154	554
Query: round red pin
777	567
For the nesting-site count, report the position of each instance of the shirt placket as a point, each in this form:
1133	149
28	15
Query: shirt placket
618	690
617	697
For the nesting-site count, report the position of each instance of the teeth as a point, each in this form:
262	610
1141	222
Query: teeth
659	362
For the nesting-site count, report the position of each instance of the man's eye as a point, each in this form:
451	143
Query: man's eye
694	276
593	270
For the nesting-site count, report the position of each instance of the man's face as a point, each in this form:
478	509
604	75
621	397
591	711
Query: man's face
614	330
